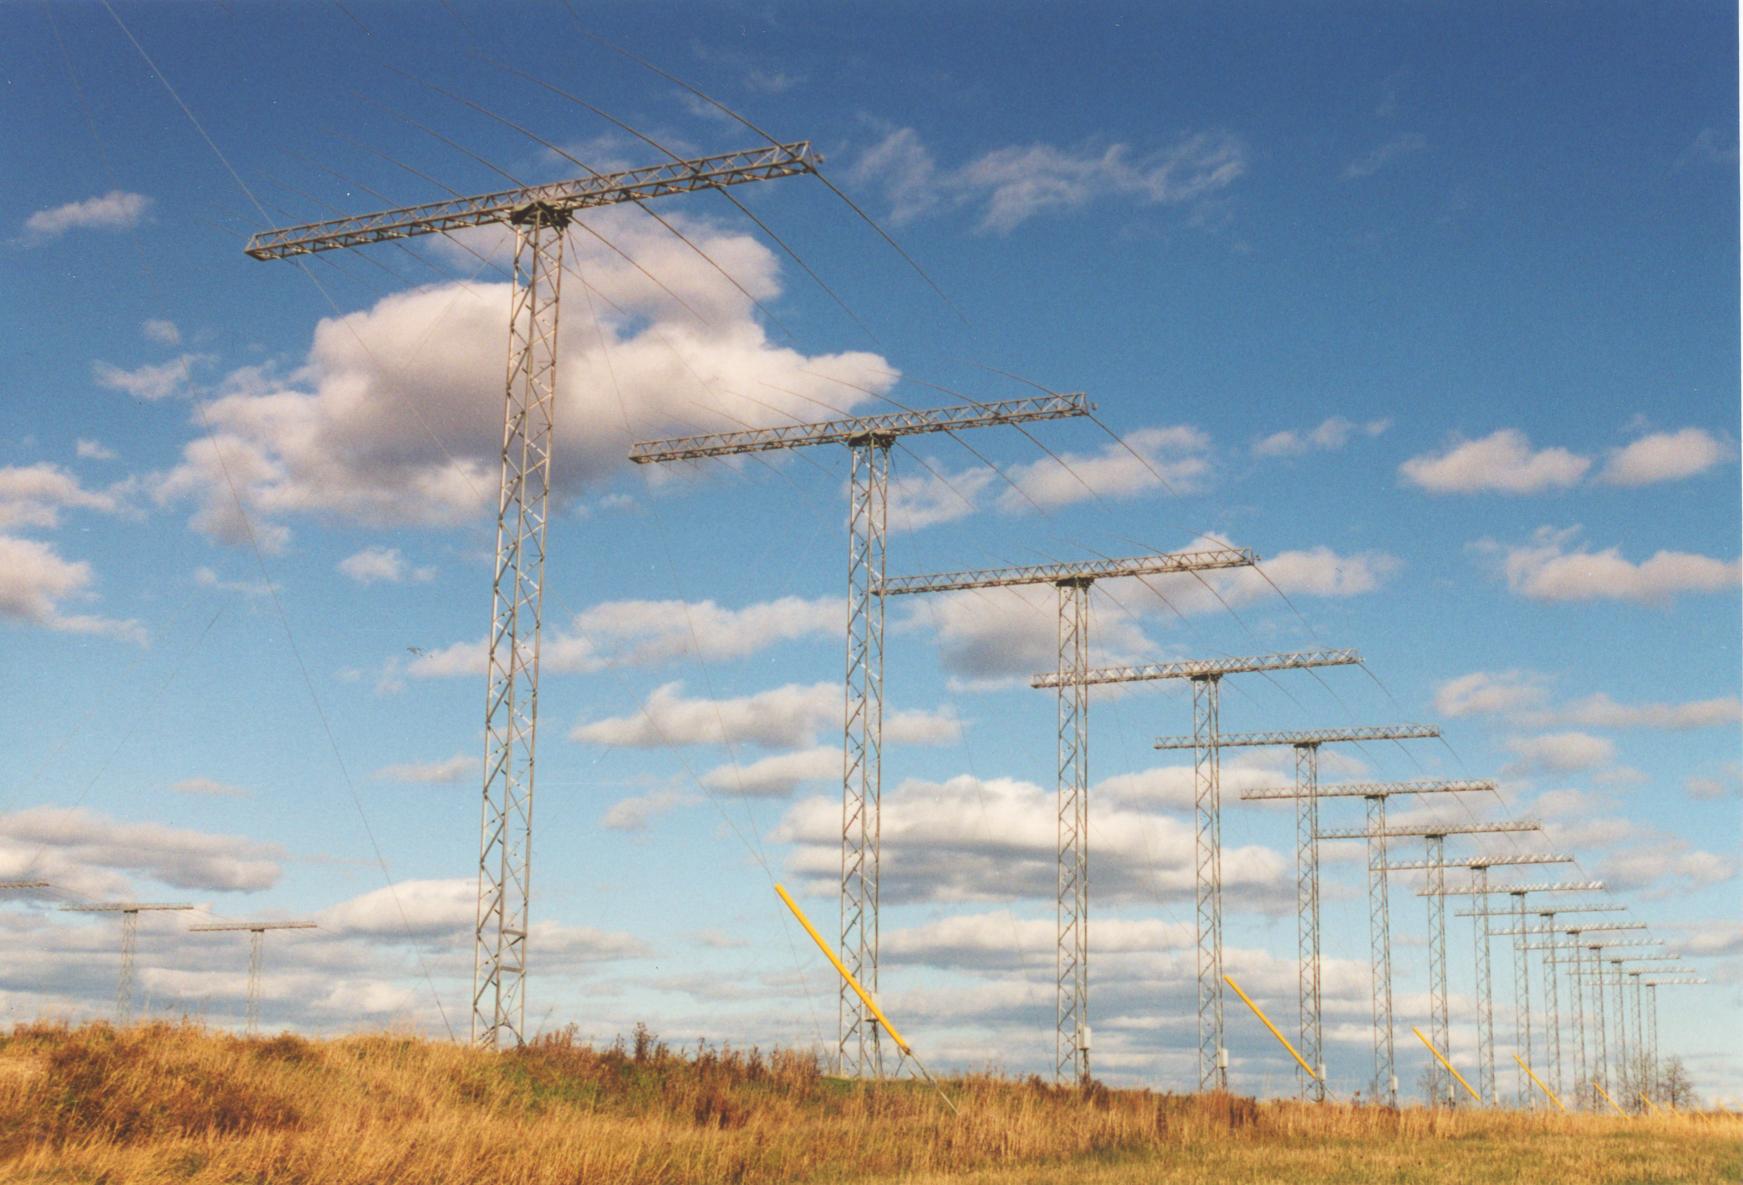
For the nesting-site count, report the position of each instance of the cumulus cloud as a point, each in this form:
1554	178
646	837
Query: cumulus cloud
1549	569
35	581
1375	159
974	839
1523	696
1172	458
163	332
635	813
382	565
209	788
394	415
450	769
1728	783
1486	693
1562	752
1502	462
1665	456
152	382
1331	434
93	450
115	210
35	495
1668	866
777	775
173	856
1009	186
786	717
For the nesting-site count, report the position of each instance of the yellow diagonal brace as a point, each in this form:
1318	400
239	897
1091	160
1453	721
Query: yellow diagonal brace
1540	1086
1266	1021
1650	1105
1607	1098
853	983
1439	1057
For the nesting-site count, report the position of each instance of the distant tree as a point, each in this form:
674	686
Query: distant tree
1674	1086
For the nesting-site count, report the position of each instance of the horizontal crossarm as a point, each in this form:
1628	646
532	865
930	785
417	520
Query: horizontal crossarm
1474	862
1143	565
559	197
1318	736
256	926
1431	829
1373	790
862	428
1499	890
1545	911
119	907
1206	668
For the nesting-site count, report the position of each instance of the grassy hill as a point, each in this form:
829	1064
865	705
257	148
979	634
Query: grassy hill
179	1103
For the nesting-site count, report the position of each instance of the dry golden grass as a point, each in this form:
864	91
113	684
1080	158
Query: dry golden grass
163	1103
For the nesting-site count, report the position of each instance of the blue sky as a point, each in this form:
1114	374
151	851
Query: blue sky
1436	309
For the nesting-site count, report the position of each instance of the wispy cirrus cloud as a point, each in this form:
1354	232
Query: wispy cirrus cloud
1377	158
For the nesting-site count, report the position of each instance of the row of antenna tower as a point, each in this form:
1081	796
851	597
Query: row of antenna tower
1607	1048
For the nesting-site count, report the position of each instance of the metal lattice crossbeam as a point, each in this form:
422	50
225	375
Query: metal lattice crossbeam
1427	828
1371	790
256	933
1483	863
563	197
1163	564
1317	736
1209	668
852	431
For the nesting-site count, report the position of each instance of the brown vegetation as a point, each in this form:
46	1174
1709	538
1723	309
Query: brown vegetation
162	1103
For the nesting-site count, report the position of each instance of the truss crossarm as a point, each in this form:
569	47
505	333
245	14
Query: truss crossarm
1483	862
1543	911
255	927
1429	829
1087	570
1320	736
1587	928
561	197
119	907
850	431
1668	982
1209	668
1539	887
1374	790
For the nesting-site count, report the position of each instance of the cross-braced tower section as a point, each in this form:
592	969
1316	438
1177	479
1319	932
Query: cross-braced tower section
539	215
1071	1052
868	439
129	911
1206	677
256	941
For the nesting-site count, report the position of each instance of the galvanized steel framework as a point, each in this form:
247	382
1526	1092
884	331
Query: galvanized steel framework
539	214
129	911
1071	1046
256	936
868	438
1206	676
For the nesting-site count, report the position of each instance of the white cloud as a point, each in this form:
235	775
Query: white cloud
1562	752
971	839
1009	186
384	423
166	379
451	769
635	813
1373	161
1600	711
93	450
1001	940
1669	865
115	210
1484	693
207	787
382	565
162	332
35	580
1728	783
208	578
787	717
34	495
920	500
1331	434
778	774
173	856
1665	456
1148	458
1546	570
1502	462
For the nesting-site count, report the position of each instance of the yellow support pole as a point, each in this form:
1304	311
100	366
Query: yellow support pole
853	983
1266	1021
1540	1086
1650	1105
1608	1099
1439	1057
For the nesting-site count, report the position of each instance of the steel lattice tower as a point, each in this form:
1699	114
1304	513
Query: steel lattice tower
1652	986
1206	676
1306	794
1438	1020
256	941
868	438
1073	582
129	911
539	215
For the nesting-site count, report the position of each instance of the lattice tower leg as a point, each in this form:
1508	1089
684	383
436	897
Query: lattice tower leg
858	1050
124	984
1441	1082
1552	1003
1522	997
1577	997
1485	995
1642	1059
1652	1042
255	942
1071	960
512	700
1623	1076
1380	942
1601	1068
1307	917
1213	1057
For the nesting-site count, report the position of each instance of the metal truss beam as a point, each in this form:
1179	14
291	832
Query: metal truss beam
1163	564
1071	957
1427	829
1206	668
1380	946
1307	917
256	937
129	911
1213	1056
1539	887
560	197
1317	736
1371	790
1441	1082
1485	862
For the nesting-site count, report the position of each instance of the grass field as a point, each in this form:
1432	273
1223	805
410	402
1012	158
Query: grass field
167	1103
